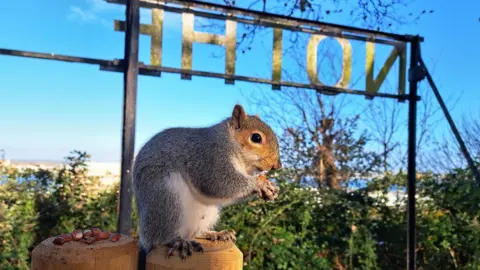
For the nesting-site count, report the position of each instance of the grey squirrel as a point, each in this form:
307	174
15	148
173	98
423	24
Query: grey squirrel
182	177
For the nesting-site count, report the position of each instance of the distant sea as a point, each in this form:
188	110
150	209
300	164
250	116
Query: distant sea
108	171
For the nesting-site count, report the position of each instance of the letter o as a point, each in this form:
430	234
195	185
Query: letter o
312	48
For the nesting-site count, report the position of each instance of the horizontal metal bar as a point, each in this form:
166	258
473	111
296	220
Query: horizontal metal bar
148	70
275	18
141	71
105	65
324	89
263	22
58	57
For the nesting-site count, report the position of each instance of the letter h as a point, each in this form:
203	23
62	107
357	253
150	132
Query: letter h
228	40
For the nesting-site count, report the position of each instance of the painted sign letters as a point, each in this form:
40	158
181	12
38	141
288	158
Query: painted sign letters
228	41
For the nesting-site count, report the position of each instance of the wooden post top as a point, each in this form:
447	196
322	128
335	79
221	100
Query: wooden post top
123	255
75	255
221	255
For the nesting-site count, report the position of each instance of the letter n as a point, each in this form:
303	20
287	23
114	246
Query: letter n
373	85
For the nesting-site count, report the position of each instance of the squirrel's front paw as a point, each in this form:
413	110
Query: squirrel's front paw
265	188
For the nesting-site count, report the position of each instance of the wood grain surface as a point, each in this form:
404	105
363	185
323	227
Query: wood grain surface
75	255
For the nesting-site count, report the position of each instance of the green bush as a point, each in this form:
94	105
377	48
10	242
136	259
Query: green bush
305	228
37	204
18	218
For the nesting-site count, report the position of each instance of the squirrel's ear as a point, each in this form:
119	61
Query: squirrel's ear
238	116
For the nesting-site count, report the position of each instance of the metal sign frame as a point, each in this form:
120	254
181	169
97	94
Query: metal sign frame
317	31
131	68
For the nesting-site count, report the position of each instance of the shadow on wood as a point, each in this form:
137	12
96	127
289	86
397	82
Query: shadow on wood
74	255
216	256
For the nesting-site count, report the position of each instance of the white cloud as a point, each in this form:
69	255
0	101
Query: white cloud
95	11
102	12
80	14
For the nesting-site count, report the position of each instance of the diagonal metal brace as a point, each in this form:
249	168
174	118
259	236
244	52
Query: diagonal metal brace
461	143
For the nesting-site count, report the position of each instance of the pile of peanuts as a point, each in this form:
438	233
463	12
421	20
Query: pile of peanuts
87	236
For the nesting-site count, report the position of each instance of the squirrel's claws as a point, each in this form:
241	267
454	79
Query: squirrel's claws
266	190
197	246
184	247
225	235
170	252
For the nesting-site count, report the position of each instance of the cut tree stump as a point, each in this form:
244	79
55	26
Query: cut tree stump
74	255
218	255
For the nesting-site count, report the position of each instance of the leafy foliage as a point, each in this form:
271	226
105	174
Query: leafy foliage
306	228
37	204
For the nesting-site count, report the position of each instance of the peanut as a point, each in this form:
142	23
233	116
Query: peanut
87	233
102	236
66	236
89	240
115	237
77	235
262	177
96	231
59	241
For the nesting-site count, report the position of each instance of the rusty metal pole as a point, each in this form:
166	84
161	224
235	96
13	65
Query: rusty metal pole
414	77
130	77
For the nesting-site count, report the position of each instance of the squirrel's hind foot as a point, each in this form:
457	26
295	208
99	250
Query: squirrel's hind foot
225	235
184	247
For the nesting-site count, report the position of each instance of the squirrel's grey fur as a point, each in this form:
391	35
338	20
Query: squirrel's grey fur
203	158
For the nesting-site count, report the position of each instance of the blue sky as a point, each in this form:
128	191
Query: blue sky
49	108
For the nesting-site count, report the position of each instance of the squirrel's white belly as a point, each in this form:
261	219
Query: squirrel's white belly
196	215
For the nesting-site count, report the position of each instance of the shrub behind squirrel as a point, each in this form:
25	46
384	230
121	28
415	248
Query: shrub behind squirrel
182	177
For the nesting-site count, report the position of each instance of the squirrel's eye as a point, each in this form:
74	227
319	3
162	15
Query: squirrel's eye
256	138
